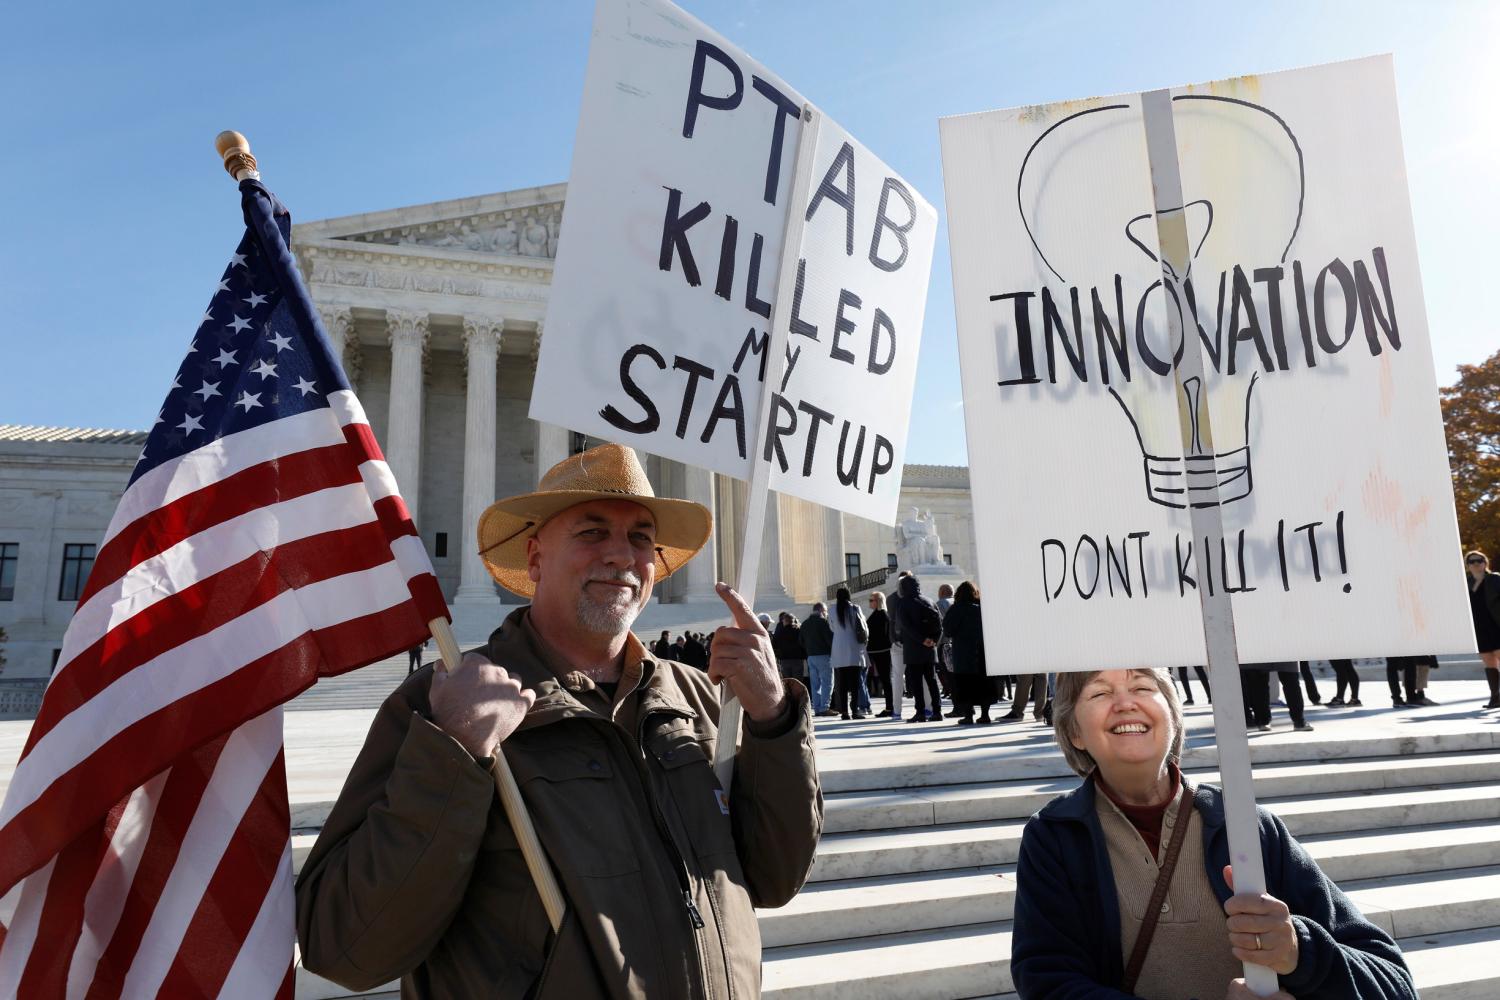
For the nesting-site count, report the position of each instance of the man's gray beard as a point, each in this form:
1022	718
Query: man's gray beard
610	619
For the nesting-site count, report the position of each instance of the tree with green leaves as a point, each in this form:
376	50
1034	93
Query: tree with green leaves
1471	416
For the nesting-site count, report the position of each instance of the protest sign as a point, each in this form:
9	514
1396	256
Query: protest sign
1090	447
657	325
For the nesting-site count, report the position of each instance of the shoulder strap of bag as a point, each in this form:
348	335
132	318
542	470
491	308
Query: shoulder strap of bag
1159	893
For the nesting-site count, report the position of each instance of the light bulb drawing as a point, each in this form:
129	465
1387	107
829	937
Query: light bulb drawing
1059	189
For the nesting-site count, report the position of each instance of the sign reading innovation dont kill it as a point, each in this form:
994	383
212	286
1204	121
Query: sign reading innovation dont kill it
1314	428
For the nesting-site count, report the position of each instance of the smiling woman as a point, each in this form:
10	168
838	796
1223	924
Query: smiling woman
1124	884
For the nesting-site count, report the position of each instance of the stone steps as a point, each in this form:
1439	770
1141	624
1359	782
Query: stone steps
913	888
975	961
917	965
1456	966
1379	864
935	847
940	755
881	809
1458	912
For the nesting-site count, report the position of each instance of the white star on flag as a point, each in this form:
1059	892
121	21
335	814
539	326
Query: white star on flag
190	423
255	299
237	260
281	342
223	285
248	400
225	359
239	325
207	389
264	369
206	317
303	386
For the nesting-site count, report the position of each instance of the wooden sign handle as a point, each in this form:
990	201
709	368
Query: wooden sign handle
753	527
510	796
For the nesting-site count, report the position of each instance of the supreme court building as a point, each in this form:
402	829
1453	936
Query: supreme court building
438	311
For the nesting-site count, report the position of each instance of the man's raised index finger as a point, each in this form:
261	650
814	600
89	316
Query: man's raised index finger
743	616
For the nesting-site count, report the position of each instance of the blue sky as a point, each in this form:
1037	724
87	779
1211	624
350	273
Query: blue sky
119	219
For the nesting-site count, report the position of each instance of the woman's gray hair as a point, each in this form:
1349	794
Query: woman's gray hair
1065	704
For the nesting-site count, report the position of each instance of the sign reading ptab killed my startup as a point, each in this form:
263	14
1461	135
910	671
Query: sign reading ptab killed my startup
657	325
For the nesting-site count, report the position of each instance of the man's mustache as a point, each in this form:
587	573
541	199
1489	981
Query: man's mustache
617	576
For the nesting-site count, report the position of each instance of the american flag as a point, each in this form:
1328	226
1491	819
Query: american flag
261	544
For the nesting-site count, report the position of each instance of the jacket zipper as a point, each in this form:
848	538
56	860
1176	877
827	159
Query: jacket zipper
684	877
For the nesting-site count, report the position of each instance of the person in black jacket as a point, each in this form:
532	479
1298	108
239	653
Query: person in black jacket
1484	602
963	629
878	649
786	643
694	652
918	627
662	648
817	642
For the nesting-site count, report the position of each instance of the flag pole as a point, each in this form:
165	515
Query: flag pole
758	495
234	150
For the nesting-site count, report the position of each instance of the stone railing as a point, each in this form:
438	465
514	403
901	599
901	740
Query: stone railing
865	581
21	697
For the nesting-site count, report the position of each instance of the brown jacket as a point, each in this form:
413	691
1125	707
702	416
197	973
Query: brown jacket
417	874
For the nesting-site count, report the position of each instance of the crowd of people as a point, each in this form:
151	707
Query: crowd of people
934	651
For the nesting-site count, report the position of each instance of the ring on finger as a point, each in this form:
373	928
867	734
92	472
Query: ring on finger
1258	945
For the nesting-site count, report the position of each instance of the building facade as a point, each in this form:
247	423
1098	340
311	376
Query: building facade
58	490
438	313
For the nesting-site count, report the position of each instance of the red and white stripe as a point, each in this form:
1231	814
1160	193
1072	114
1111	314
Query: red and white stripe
144	838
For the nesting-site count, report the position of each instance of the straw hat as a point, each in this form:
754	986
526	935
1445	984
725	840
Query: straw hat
608	472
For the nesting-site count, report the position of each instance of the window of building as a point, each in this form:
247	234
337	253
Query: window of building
56	653
440	545
851	565
948	558
10	554
77	561
890	561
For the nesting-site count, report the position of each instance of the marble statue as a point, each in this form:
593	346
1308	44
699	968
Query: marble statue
534	239
932	541
506	240
917	541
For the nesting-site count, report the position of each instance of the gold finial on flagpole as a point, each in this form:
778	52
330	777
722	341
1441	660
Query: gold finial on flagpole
234	149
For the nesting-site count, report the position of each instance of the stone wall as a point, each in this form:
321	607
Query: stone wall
52	493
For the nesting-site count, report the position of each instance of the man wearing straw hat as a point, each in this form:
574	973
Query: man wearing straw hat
417	873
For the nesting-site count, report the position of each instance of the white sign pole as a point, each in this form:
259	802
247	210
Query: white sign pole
752	528
1241	821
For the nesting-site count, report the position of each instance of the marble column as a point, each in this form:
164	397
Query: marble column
768	584
833	541
408	335
699	575
339	322
552	441
476	601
